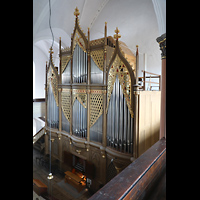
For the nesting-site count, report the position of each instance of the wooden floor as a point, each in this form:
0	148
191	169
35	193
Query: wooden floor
41	173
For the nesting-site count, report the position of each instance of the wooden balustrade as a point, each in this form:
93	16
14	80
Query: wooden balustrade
136	180
144	81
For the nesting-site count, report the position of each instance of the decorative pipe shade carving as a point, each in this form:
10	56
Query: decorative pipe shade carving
66	103
118	68
64	61
81	96
96	107
53	78
98	57
78	40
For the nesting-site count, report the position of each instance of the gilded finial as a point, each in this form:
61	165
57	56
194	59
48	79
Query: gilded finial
117	35
51	50
76	12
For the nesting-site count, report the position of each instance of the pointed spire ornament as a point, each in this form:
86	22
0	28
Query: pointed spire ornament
76	12
117	35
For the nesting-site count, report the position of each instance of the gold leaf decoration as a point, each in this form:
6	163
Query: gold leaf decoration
66	103
119	69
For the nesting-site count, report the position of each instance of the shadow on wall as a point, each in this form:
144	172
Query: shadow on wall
148	137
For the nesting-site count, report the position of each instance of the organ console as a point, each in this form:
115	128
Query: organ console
75	180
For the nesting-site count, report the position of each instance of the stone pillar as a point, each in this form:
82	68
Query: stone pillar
162	43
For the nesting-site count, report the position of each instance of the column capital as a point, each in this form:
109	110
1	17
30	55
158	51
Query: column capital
162	43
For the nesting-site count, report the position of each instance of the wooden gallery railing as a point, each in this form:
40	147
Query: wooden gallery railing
150	76
138	179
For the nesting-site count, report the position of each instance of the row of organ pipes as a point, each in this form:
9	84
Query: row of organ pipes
119	121
79	65
52	109
79	120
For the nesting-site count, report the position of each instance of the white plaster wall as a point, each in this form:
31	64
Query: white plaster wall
39	59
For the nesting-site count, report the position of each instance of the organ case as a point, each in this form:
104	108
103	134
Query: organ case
93	100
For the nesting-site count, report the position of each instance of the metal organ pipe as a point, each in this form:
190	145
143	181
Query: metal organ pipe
117	113
79	76
121	115
125	123
53	113
119	121
113	116
79	65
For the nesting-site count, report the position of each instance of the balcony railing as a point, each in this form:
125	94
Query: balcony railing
136	180
146	82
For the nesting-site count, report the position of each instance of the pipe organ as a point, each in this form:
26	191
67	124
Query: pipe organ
93	101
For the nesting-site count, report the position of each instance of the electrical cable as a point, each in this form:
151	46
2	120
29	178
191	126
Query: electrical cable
50	24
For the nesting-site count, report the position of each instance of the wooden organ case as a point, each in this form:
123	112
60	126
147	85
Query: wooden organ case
93	104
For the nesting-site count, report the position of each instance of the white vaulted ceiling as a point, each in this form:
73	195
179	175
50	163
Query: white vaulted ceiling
136	20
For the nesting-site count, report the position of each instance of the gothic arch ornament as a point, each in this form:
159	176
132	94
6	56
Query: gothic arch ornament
52	77
78	37
120	67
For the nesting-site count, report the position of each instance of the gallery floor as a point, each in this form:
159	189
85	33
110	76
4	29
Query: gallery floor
56	187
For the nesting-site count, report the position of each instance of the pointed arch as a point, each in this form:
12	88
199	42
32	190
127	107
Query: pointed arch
78	37
52	77
120	66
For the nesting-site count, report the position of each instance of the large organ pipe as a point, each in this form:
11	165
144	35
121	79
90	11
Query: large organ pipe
113	115
121	115
79	70
119	121
125	123
128	135
117	113
83	67
53	113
